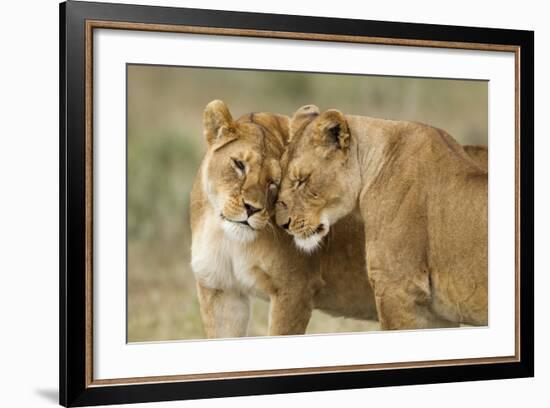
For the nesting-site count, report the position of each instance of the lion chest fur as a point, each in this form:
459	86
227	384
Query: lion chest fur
222	263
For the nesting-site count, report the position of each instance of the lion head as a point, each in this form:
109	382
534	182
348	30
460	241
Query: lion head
320	180
241	173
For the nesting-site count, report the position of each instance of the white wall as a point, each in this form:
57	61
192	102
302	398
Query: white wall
29	205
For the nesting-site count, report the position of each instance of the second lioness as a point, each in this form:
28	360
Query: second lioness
422	198
236	251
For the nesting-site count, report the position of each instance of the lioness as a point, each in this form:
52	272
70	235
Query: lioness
236	251
423	201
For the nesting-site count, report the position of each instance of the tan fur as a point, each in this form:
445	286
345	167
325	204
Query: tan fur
231	265
422	198
480	154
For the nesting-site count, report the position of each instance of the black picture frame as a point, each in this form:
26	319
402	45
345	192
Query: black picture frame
74	390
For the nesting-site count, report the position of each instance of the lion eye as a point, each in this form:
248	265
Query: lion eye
302	181
239	165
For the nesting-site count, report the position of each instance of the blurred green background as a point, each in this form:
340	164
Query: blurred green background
165	146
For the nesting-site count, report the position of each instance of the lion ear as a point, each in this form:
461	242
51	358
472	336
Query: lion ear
302	117
334	129
217	123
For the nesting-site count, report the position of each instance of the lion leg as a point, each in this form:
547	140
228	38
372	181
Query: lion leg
403	295
224	313
403	306
289	313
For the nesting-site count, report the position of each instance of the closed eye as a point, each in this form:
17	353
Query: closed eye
300	182
239	165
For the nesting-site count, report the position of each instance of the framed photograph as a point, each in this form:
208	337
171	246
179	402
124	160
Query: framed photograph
257	204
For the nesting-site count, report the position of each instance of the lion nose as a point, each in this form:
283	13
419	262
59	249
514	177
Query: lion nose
287	225
250	209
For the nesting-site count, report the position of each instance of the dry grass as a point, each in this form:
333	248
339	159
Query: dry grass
165	146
